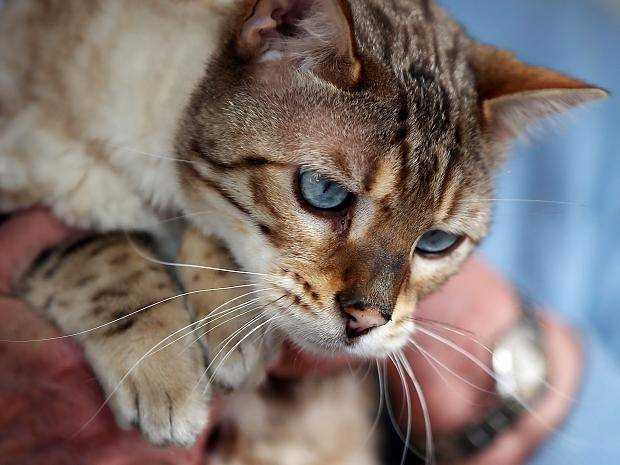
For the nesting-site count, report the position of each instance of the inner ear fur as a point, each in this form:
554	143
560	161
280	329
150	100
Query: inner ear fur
514	95
314	35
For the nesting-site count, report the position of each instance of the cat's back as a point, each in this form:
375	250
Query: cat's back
37	38
40	38
81	79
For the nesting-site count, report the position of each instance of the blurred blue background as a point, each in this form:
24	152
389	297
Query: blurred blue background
567	257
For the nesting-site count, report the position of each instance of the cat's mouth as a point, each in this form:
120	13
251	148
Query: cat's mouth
370	343
379	342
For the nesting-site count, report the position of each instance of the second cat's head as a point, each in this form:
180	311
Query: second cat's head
346	151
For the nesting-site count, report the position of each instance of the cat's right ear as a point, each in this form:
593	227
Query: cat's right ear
314	35
514	95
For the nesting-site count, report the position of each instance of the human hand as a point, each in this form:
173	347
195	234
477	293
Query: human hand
41	414
473	310
48	394
478	302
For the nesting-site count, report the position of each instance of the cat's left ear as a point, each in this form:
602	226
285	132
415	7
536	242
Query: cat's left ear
315	35
514	95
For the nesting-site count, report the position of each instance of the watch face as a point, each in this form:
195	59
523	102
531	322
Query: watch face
520	364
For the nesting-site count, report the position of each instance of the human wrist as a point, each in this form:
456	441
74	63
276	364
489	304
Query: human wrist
533	428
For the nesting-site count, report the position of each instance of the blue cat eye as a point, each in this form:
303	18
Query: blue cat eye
321	192
436	242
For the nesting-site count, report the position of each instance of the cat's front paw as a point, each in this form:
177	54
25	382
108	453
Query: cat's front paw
165	412
241	364
165	395
230	324
136	332
154	379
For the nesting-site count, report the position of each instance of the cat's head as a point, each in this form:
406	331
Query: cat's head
347	149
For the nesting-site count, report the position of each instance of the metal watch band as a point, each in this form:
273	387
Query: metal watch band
475	438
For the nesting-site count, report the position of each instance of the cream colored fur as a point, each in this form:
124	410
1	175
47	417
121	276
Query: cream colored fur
118	306
318	422
97	96
90	135
154	376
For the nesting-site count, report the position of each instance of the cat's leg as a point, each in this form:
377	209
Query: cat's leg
143	352
236	357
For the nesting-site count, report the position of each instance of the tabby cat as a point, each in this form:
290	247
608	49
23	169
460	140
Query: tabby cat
338	153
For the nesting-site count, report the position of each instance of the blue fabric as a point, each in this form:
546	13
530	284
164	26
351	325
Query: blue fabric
566	256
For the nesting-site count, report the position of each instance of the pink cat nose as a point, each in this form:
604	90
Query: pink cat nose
360	321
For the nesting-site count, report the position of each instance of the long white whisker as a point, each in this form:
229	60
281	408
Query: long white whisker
430	447
199	267
487	349
129	315
390	410
366	373
430	357
151	351
271	328
225	342
222	345
254	309
150	155
490	373
198	324
375	423
426	355
405	389
452	329
240	329
431	364
458	349
223	314
186	215
539	201
239	343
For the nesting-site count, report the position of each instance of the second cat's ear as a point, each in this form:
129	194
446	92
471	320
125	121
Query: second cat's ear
514	95
311	34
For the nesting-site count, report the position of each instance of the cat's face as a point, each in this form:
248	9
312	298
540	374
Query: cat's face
347	151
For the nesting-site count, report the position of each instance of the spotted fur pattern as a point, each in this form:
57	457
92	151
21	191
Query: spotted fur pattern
114	113
104	290
103	282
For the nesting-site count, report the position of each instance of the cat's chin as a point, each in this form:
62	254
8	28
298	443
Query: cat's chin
378	344
381	342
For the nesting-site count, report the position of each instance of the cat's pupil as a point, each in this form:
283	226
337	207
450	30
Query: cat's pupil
321	192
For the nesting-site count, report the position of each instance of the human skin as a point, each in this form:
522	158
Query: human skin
48	393
479	301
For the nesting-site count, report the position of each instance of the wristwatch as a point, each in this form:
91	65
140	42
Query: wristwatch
519	365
